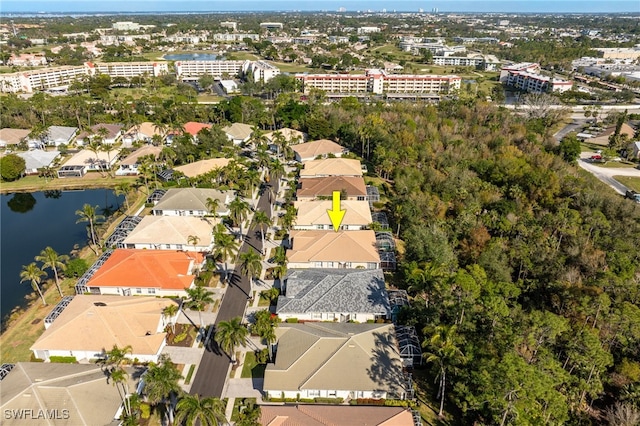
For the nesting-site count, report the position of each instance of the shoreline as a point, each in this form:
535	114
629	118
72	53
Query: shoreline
24	322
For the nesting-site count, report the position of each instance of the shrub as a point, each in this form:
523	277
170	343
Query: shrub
329	400
180	337
370	401
64	359
76	267
145	410
34	359
292	320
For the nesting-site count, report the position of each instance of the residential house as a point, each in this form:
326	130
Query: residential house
37	159
321	148
334	295
313	215
331	167
329	249
238	132
129	272
292	137
193	128
143	132
201	167
91	325
60	135
192	202
129	166
603	137
172	233
93	161
341	360
334	415
113	133
353	188
13	136
58	393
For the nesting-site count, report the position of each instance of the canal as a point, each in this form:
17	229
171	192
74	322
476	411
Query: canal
29	222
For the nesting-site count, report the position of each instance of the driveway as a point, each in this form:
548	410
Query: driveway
180	355
244	388
606	174
214	367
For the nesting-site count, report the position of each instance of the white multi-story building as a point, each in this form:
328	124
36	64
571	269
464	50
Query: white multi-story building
526	77
128	69
261	70
125	26
229	24
235	37
44	79
192	70
271	25
378	82
368	30
485	62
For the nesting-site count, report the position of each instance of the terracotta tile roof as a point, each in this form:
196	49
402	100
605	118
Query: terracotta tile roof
193	127
147	128
330	246
324	186
331	167
163	269
311	150
93	323
334	415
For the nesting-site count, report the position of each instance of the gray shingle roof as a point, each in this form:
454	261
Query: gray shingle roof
335	290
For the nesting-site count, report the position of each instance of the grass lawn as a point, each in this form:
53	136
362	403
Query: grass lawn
251	368
209	98
427	407
616	165
629	181
242	56
89	181
290	67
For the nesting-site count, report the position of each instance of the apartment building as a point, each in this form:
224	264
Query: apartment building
128	69
192	70
526	76
44	79
235	37
484	62
378	82
261	70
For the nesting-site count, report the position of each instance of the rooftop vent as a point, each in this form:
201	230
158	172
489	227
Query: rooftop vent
99	304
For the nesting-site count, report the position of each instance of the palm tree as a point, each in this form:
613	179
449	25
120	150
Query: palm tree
199	297
230	334
119	378
116	356
249	415
161	382
225	247
32	273
212	205
277	169
443	354
123	188
262	220
169	312
192	410
262	158
251	264
88	214
193	240
51	259
239	211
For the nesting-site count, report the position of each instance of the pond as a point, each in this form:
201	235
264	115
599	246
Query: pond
29	222
193	57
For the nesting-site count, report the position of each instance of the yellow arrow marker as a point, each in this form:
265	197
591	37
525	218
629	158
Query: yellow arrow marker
335	214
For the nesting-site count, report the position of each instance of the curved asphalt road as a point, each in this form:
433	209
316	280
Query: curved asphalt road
214	365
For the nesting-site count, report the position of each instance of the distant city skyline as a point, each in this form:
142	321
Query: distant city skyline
478	6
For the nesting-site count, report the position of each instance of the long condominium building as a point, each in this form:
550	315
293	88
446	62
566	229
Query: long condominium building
526	76
61	77
378	82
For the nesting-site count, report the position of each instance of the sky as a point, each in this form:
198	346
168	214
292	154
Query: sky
514	6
